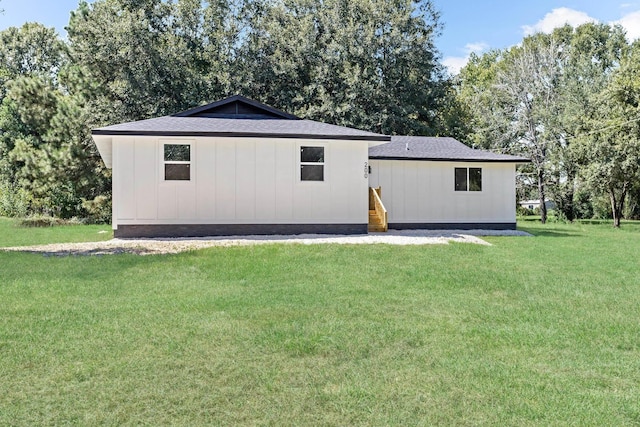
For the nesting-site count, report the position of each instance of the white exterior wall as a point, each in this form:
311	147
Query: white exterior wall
423	192
238	181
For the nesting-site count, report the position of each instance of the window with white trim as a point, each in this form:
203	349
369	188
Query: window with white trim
177	162
468	179
311	163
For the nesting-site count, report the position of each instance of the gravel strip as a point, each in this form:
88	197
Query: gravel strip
176	245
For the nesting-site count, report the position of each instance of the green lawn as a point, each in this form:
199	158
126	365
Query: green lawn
530	331
12	234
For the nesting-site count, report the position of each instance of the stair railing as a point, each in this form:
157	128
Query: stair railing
376	201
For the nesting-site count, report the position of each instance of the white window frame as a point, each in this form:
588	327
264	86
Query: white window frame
164	162
323	163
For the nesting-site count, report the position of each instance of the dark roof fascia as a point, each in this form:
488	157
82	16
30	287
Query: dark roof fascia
239	135
425	159
235	98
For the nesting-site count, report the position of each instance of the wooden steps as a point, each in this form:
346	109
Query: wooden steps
377	212
376	224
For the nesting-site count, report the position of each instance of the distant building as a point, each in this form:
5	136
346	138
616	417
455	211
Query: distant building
535	204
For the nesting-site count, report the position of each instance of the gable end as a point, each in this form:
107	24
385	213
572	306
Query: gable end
237	107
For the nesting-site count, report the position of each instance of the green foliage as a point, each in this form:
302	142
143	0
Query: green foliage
14	201
632	208
529	331
548	99
369	64
523	211
46	151
46	221
31	49
601	207
146	66
583	205
98	210
611	152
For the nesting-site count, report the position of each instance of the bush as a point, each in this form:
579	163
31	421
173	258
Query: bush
98	210
582	206
14	201
46	221
601	207
522	211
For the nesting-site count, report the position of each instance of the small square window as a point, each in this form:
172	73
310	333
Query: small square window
312	172
177	172
177	153
468	179
312	154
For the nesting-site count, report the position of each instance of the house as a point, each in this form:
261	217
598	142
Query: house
239	167
440	183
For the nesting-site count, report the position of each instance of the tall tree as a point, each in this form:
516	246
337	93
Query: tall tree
529	83
611	147
46	151
31	49
150	63
370	64
28	52
535	98
593	53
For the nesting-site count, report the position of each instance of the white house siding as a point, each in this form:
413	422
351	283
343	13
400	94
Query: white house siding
422	192
238	181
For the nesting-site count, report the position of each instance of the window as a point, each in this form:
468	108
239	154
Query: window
468	179
312	163
177	162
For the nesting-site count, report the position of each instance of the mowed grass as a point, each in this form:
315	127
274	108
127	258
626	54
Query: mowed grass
12	234
530	331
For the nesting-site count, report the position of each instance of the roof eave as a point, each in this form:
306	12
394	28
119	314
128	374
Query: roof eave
239	135
449	159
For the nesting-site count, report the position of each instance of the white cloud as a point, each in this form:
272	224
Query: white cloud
455	63
563	15
557	18
554	19
631	23
475	47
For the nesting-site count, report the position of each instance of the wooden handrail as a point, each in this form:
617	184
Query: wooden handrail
381	211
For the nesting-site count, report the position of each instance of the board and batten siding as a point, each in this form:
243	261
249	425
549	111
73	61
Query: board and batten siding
423	192
238	181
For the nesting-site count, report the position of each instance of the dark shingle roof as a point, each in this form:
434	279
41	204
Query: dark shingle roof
260	128
237	116
435	149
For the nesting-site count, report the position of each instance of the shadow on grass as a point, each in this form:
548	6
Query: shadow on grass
110	250
554	231
549	233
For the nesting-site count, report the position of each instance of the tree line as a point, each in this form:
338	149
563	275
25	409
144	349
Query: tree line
369	64
567	100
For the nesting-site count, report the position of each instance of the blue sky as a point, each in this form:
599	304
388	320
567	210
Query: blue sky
476	26
469	25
